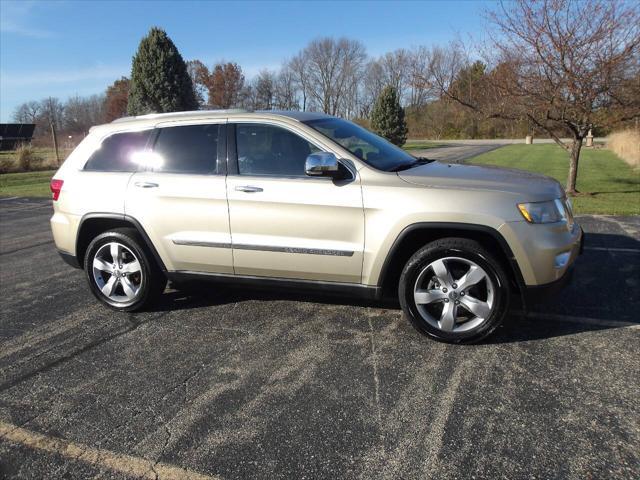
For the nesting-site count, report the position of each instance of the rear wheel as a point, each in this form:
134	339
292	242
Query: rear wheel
120	272
454	290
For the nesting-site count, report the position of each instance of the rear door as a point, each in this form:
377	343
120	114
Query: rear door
286	224
180	197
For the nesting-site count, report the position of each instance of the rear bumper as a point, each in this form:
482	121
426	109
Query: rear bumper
547	291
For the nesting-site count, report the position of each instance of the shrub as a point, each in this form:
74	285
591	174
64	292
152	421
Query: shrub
626	144
26	157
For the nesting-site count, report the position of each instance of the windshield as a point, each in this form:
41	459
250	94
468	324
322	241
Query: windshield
367	146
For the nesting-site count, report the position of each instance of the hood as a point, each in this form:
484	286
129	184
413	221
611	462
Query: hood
531	186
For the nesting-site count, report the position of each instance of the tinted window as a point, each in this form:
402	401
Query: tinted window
115	152
367	146
269	150
187	149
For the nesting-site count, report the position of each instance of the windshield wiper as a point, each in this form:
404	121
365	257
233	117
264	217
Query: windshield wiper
415	163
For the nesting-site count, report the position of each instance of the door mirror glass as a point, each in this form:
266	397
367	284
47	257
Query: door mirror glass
322	164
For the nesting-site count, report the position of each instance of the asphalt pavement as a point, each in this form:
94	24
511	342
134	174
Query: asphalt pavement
456	152
236	384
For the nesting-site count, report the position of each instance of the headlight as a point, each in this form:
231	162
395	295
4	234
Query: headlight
543	212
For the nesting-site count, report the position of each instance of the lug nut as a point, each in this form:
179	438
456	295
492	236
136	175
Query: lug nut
444	290
446	300
454	285
462	293
457	302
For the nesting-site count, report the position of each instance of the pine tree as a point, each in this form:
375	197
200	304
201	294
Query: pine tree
160	81
387	117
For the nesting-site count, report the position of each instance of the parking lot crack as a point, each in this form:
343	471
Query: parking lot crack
376	384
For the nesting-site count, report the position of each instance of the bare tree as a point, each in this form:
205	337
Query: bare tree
28	112
199	77
52	113
298	67
285	89
565	66
419	82
331	67
81	113
264	85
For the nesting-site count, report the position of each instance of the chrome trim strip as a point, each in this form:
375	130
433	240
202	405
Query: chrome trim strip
266	248
202	243
308	251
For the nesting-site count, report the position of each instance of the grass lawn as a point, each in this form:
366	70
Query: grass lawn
29	184
608	185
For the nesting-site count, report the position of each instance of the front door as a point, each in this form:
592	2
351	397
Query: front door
283	223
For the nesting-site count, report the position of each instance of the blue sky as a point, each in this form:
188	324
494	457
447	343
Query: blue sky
63	48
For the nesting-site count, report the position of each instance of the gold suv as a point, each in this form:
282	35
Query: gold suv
299	199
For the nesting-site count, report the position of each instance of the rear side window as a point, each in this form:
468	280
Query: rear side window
117	152
187	149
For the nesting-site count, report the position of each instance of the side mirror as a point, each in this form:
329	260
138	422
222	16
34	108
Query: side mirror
321	164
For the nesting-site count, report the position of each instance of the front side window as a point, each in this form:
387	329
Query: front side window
367	146
271	150
117	153
186	149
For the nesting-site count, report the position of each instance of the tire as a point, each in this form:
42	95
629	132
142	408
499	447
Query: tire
455	291
134	283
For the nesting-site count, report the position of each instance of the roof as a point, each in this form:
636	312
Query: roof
195	114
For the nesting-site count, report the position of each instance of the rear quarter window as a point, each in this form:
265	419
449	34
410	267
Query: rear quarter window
116	152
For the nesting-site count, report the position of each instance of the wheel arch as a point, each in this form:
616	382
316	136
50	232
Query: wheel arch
417	235
93	224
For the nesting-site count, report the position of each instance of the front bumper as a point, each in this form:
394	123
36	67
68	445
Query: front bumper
536	249
541	293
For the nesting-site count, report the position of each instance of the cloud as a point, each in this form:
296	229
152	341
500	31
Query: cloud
17	19
66	76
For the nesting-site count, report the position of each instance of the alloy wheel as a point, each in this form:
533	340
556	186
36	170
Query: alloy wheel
454	294
117	272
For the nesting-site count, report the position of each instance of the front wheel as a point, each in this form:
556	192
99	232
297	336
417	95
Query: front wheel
454	291
120	272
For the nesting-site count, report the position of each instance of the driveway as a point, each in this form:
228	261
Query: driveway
235	384
456	151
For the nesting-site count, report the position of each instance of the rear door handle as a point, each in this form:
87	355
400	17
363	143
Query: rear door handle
248	189
146	184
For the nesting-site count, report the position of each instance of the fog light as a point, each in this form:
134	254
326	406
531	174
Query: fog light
562	259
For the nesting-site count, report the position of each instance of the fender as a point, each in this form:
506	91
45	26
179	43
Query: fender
470	227
128	219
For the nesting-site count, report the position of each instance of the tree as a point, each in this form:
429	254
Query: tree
285	89
52	113
81	113
328	71
225	83
199	75
387	117
159	78
116	99
265	90
564	66
28	112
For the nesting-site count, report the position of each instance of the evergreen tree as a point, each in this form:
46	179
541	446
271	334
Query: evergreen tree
160	81
387	117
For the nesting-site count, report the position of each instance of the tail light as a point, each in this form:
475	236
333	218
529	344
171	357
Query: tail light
56	186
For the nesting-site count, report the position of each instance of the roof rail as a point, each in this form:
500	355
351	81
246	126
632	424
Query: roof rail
199	113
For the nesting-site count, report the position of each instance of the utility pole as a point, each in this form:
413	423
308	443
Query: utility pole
55	140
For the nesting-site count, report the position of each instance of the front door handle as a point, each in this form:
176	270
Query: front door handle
146	184
248	189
